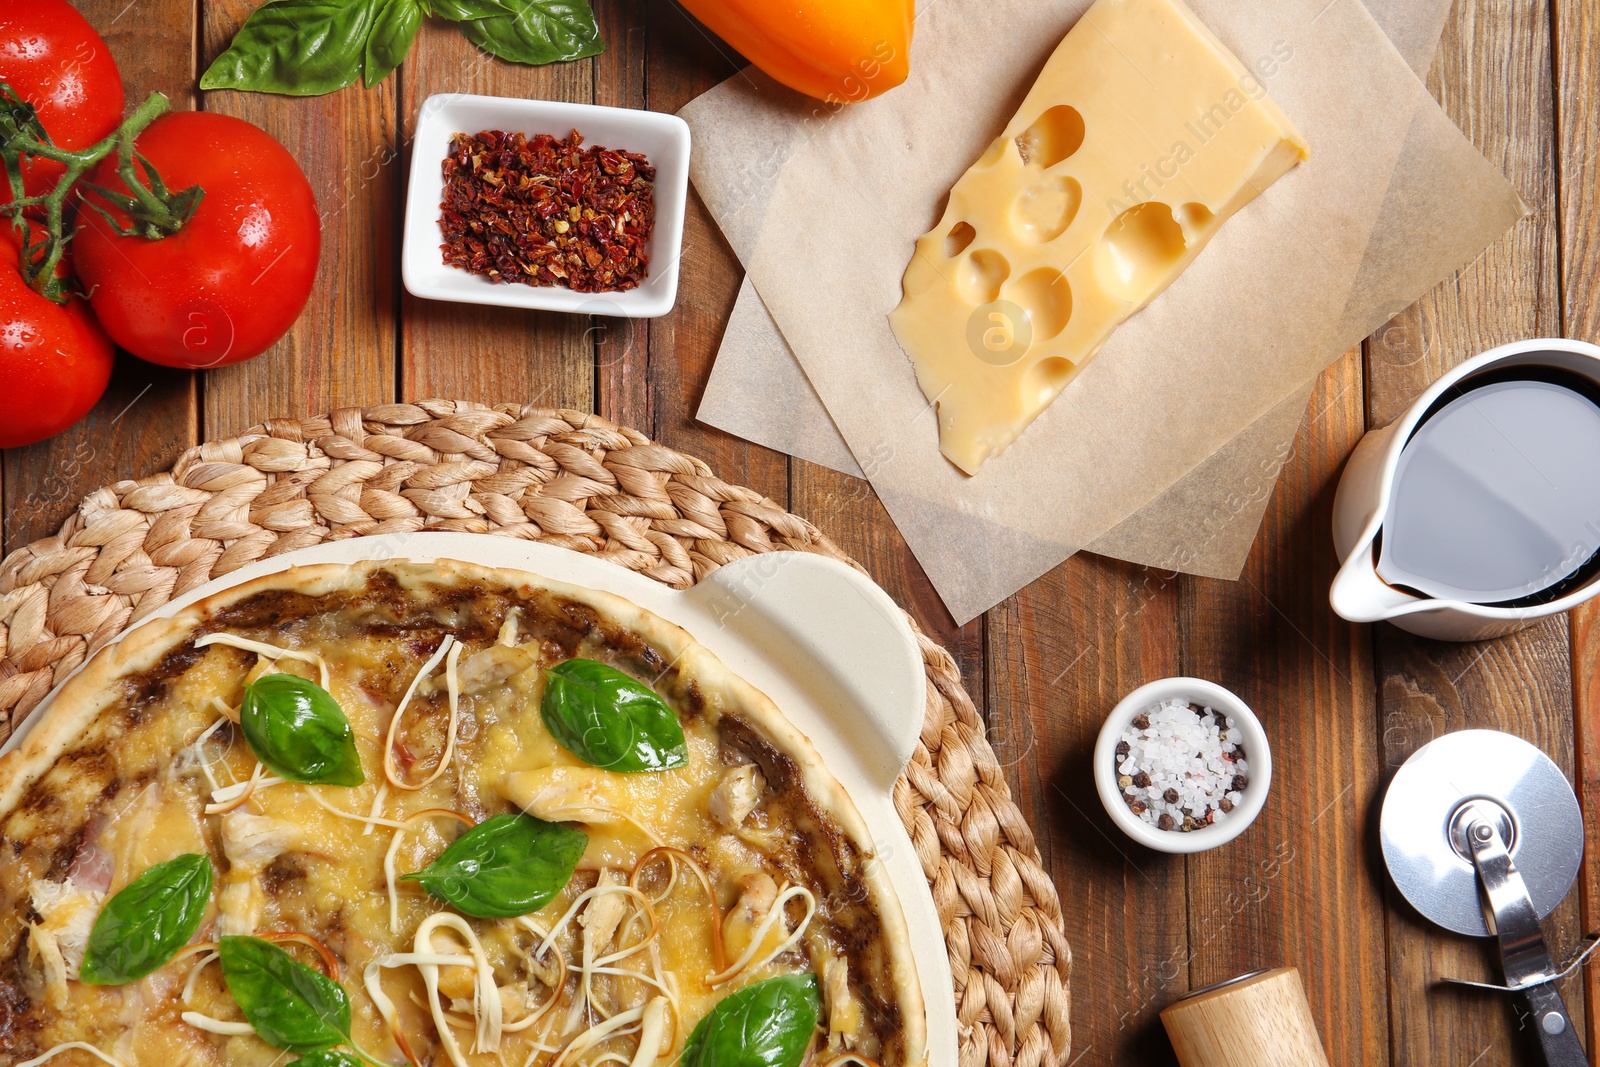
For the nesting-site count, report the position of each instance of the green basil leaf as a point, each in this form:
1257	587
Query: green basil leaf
295	47
298	730
506	866
148	921
394	28
291	1006
610	720
331	1057
466	10
767	1024
538	31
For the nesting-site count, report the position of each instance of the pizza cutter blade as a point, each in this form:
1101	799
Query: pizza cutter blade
1482	834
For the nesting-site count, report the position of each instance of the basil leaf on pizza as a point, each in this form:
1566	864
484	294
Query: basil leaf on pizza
610	720
299	732
291	1006
148	921
331	1057
766	1024
506	866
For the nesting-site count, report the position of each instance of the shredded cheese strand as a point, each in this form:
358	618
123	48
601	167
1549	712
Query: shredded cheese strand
486	1005
230	797
391	771
774	914
718	952
587	895
216	1026
200	754
272	652
194	974
389	872
371	821
67	1046
584	813
372	979
376	810
598	1033
557	988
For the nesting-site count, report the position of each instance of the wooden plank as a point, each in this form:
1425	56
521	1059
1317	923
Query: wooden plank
1061	653
342	349
148	414
487	354
622	346
1576	33
1267	898
1493	76
683	61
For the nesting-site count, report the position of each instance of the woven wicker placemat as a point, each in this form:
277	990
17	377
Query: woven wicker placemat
571	479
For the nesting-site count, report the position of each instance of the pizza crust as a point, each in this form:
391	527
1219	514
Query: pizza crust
100	684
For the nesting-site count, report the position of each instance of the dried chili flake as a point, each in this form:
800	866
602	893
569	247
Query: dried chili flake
545	211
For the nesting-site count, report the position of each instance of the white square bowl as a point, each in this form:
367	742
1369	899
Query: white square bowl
660	138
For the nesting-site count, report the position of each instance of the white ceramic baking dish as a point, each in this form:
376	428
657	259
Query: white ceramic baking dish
830	648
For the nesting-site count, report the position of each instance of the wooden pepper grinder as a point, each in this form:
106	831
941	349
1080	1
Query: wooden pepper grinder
1260	1019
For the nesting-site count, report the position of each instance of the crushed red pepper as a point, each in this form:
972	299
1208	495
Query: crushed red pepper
545	211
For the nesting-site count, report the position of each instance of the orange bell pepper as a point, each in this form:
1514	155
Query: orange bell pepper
840	51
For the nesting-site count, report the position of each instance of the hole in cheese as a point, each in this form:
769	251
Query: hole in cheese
1054	136
1044	209
1046	298
1046	378
1195	219
959	237
981	274
1139	250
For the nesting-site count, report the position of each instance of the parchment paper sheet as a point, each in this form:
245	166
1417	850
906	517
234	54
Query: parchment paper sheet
1209	518
1238	339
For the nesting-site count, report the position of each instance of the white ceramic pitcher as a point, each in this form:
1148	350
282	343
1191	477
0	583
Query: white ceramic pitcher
1362	501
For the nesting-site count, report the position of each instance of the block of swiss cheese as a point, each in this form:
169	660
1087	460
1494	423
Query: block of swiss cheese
1141	136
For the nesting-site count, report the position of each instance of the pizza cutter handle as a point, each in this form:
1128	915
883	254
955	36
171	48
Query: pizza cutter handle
1542	1008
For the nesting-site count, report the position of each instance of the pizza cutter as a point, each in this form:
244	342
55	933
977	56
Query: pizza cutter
1482	834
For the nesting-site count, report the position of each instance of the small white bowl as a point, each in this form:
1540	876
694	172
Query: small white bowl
1207	695
662	139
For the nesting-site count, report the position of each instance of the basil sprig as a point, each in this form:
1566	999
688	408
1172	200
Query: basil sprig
311	47
296	728
291	1006
610	720
148	921
767	1024
506	866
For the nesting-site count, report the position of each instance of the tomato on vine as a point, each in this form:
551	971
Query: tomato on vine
55	360
54	60
220	285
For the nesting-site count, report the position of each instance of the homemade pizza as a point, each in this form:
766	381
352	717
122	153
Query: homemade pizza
440	814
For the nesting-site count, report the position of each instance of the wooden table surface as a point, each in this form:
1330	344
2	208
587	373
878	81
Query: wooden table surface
1344	704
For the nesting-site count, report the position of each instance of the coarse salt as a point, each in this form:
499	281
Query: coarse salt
1181	767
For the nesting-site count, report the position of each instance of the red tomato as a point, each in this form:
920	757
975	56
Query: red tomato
235	277
55	61
55	359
